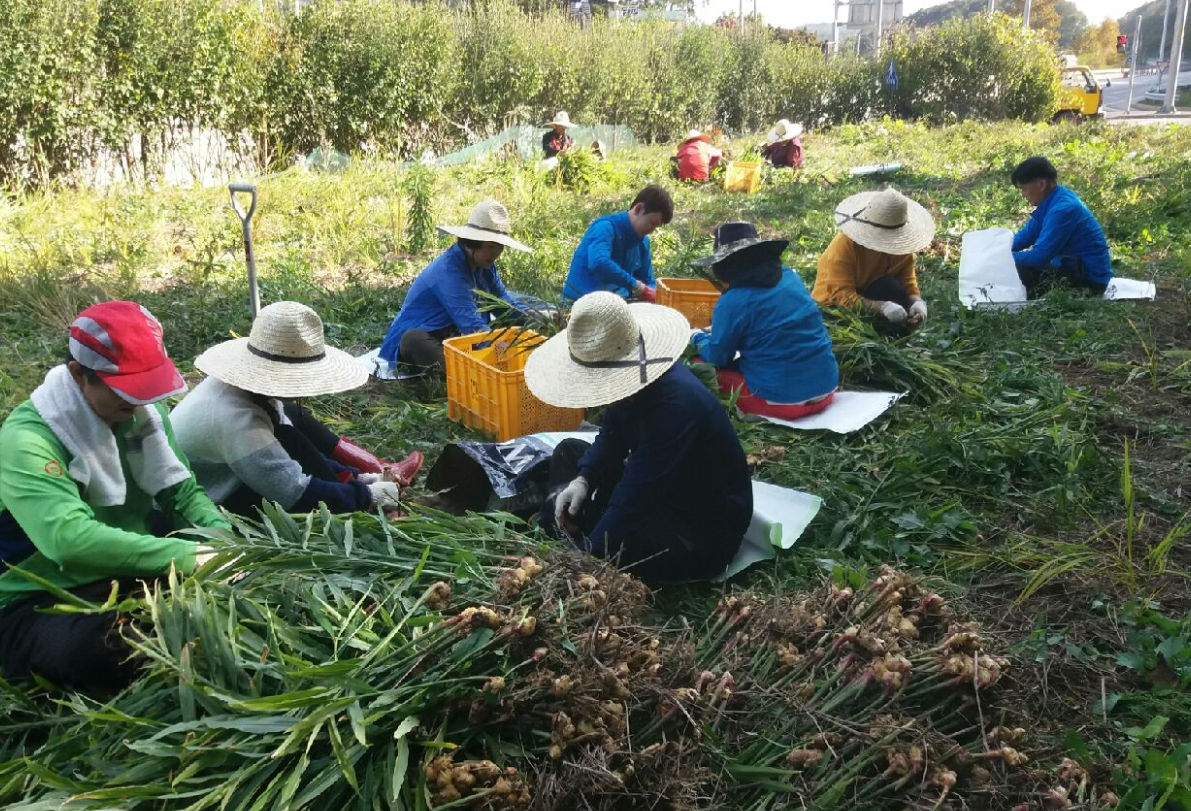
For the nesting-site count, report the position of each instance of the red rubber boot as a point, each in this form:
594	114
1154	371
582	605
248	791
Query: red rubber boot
350	454
405	471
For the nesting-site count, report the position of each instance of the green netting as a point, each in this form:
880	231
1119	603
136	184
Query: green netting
527	141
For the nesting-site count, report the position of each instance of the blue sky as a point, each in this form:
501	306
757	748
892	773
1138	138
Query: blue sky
800	12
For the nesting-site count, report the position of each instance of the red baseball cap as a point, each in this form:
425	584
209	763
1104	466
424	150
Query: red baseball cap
122	343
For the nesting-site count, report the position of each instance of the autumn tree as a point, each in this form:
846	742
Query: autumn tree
1097	46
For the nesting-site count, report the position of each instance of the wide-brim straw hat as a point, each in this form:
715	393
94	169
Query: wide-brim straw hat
886	221
735	237
697	135
561	119
782	131
488	222
284	356
610	350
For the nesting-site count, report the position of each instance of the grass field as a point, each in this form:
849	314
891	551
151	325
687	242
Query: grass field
1037	471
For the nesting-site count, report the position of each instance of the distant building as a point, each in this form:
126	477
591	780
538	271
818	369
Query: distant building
856	29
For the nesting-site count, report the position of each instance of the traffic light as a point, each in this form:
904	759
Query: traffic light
1122	42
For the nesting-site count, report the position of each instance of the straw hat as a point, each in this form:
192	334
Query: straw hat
284	356
561	119
886	221
696	135
610	350
783	130
488	222
734	237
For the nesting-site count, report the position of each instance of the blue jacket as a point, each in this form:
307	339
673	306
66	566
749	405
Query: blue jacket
1063	226
680	454
610	257
785	352
442	296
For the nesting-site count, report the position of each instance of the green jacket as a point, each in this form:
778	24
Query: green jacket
46	527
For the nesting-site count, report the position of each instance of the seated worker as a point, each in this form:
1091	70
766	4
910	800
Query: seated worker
786	367
557	140
870	263
665	488
83	462
1062	242
614	254
249	442
697	157
441	303
783	145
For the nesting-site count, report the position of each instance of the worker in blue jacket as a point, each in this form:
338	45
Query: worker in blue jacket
614	254
1062	241
665	487
441	302
767	337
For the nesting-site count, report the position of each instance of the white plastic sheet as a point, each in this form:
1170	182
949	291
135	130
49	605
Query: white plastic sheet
1126	289
849	411
987	273
380	369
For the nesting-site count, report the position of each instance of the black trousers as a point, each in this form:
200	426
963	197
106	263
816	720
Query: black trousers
307	441
661	548
887	288
420	349
82	652
1039	280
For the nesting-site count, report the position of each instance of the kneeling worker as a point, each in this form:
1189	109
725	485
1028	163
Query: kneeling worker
786	368
1062	242
870	263
251	442
665	487
83	462
614	254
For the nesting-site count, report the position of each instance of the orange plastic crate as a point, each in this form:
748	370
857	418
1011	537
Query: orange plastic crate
486	387
743	176
694	298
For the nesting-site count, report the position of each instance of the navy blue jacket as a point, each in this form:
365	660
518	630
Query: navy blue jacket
1063	226
682	456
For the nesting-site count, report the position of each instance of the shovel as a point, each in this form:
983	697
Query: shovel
254	299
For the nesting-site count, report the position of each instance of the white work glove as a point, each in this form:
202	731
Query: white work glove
699	331
370	478
892	311
918	310
571	499
384	494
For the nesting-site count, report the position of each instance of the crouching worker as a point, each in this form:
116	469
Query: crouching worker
696	157
614	254
783	145
1062	242
665	487
786	368
250	442
83	461
870	264
441	302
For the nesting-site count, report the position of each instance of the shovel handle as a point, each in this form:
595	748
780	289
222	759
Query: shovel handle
243	188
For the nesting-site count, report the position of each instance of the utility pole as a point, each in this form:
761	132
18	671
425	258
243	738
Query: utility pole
756	19
880	25
1176	58
992	5
1162	42
1025	17
740	19
1133	63
835	30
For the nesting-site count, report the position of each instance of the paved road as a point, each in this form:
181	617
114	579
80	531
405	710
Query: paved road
1116	96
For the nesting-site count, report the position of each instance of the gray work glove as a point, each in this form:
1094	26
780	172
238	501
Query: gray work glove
571	499
894	312
384	494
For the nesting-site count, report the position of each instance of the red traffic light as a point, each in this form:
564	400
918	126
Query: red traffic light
1122	42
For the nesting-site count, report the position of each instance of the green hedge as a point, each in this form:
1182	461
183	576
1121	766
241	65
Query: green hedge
79	76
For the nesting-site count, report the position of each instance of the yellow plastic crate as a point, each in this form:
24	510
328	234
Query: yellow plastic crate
743	176
486	386
694	298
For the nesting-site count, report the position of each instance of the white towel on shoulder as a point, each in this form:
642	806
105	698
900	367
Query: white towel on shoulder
96	463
